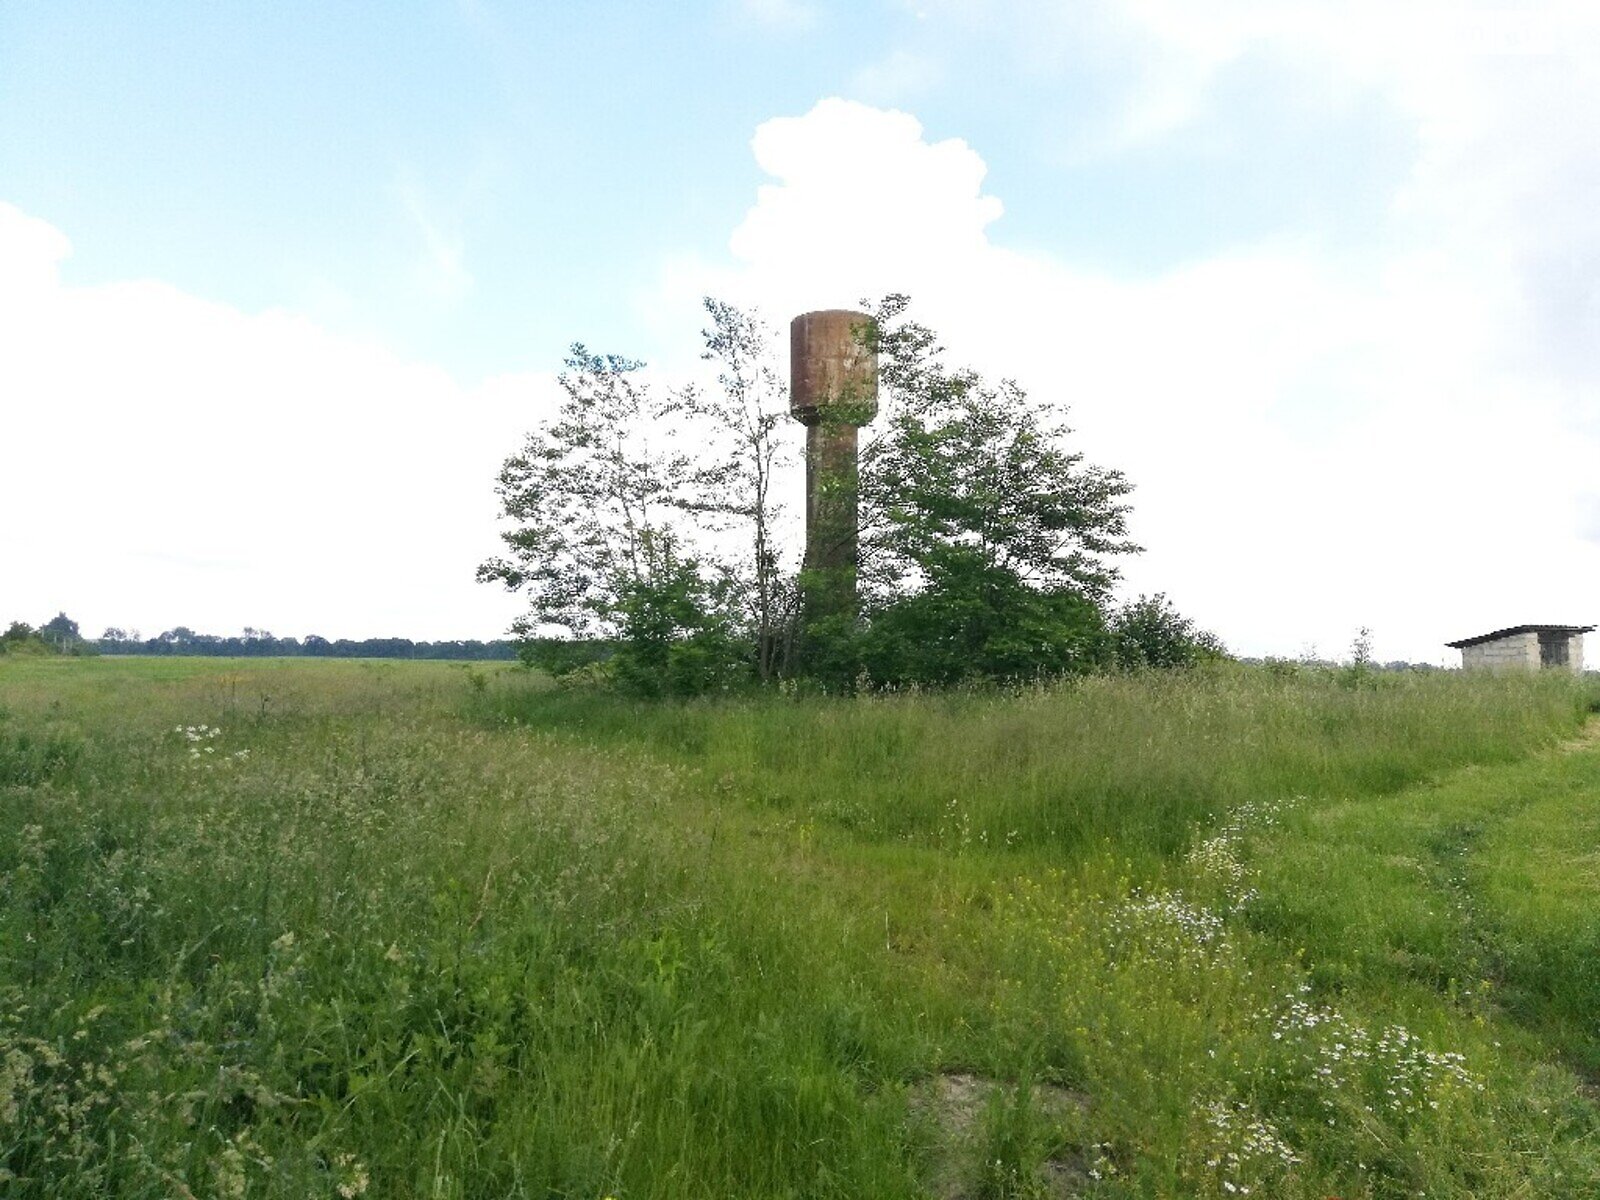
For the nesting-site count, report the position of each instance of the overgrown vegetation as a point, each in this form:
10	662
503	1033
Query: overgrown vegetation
59	635
325	929
1140	759
647	516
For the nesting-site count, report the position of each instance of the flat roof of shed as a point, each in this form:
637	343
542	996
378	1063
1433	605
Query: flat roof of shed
1500	633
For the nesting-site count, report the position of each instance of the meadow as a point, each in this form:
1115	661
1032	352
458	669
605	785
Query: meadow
338	928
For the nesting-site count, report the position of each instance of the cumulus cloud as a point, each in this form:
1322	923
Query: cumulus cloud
866	182
172	460
1387	439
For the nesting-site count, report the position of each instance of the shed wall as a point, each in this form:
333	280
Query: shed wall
1519	651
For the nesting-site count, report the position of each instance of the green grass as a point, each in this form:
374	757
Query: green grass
1136	760
1484	887
428	930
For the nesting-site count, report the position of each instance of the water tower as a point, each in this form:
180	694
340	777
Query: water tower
833	391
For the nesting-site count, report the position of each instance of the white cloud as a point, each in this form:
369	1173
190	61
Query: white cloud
171	460
1152	65
1319	443
859	195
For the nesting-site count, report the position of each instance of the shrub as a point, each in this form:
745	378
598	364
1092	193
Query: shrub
1149	632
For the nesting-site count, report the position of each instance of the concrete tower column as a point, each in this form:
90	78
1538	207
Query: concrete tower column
833	391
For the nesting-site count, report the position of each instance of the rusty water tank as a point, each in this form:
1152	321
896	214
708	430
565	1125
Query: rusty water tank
831	373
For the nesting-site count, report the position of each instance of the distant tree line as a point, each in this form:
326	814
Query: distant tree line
258	643
60	635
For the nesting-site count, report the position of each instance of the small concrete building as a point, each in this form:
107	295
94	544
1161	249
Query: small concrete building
1525	648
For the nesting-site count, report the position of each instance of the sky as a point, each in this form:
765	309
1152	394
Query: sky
281	285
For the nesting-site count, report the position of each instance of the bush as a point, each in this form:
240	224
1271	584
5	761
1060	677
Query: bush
1149	632
561	657
677	637
982	626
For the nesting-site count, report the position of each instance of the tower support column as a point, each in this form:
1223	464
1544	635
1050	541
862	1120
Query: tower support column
833	391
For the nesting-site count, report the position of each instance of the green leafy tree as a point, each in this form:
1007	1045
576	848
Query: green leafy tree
19	638
594	502
588	498
986	541
745	414
976	624
61	634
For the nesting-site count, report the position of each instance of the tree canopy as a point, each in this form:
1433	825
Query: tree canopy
988	543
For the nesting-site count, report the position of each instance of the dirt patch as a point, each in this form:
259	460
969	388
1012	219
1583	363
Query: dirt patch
955	1104
956	1100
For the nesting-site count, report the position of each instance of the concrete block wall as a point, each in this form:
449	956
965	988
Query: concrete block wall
1519	651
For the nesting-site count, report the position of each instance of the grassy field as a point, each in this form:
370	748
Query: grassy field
308	928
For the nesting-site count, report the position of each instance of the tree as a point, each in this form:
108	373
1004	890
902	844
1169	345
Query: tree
977	625
589	497
986	543
745	412
20	638
596	499
61	633
178	640
968	471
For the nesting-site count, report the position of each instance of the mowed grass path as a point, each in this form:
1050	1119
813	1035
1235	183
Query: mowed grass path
424	930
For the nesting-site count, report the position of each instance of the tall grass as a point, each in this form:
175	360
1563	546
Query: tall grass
1140	760
300	929
328	952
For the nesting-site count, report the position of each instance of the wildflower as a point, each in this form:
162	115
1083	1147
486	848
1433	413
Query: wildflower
353	1178
229	1168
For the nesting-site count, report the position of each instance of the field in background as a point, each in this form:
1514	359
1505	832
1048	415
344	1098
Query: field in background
390	929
